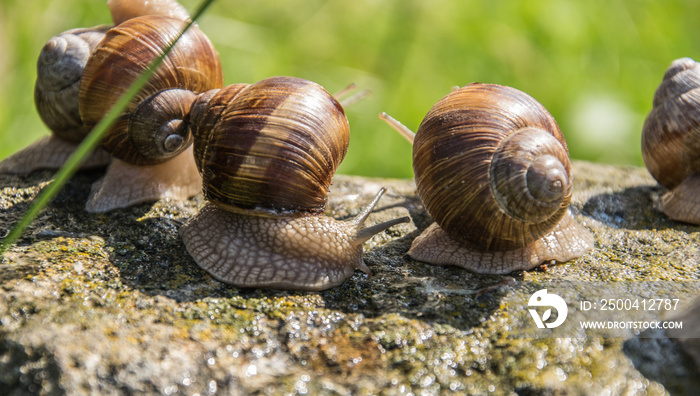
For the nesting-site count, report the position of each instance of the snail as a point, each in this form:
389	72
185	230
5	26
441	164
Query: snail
671	140
149	142
492	169
267	153
150	149
59	68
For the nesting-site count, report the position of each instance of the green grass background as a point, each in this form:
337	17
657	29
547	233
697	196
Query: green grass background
594	64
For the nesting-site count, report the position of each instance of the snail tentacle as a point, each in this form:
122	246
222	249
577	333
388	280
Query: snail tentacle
277	252
492	168
362	235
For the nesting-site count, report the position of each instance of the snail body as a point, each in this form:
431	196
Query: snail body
149	148
492	169
267	153
149	142
671	140
59	69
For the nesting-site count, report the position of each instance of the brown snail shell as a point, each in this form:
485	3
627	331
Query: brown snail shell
59	68
150	142
267	153
671	140
123	10
492	168
125	52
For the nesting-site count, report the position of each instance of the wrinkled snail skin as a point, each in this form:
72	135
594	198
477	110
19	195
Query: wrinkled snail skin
148	147
267	153
671	140
126	184
280	252
59	68
492	169
150	142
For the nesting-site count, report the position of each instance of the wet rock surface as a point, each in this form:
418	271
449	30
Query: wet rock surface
112	304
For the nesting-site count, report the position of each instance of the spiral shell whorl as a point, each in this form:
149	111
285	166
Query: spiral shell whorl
274	148
492	167
671	132
121	57
59	68
157	126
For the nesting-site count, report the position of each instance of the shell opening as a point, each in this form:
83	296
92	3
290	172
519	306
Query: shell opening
546	178
173	141
156	126
528	176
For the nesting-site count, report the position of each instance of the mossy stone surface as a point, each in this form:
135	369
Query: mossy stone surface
112	304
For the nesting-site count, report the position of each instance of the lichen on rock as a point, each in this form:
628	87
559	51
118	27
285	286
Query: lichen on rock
112	303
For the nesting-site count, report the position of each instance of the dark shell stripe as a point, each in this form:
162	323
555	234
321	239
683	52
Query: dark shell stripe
275	148
671	132
453	153
193	65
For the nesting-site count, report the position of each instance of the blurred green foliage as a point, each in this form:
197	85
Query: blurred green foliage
594	64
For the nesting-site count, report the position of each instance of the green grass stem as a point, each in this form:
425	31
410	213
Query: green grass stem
91	141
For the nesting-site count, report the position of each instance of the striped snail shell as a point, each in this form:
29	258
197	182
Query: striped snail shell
149	146
267	153
59	69
191	67
123	10
149	142
492	168
671	140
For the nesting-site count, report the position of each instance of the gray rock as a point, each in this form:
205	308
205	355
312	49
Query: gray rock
112	304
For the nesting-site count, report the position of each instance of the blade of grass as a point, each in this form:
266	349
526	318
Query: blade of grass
92	140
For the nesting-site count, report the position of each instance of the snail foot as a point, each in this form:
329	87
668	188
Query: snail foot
125	184
683	202
278	252
49	152
568	240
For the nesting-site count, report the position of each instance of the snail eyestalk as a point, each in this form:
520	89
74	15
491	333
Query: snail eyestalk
399	127
364	234
346	100
345	91
267	153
